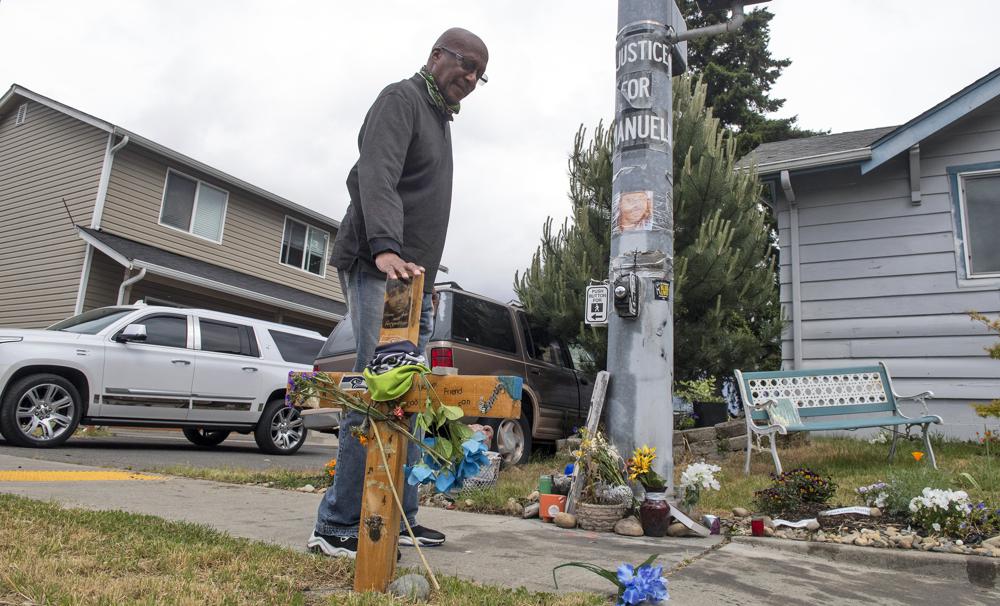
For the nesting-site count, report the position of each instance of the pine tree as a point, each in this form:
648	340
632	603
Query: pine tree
726	312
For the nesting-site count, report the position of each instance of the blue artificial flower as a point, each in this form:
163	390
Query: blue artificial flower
419	474
643	585
445	480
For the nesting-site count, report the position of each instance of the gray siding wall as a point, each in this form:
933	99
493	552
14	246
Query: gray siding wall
106	275
880	278
44	160
252	235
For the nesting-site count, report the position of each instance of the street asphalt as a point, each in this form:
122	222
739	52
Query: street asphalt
154	449
513	552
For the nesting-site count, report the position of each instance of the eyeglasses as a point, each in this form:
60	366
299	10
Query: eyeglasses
467	64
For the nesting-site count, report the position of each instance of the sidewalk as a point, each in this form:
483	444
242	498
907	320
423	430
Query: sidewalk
513	552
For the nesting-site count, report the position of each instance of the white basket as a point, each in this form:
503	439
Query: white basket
487	475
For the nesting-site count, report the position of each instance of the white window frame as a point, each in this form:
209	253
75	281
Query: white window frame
966	241
194	208
305	256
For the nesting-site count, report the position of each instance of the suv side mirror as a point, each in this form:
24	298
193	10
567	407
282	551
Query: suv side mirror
132	332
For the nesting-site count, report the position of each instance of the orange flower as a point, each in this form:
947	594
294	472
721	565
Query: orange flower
331	467
364	441
917	455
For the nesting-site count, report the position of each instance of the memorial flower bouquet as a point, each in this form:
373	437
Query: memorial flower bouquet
640	469
695	478
603	469
642	584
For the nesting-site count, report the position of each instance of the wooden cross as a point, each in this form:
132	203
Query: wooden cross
478	396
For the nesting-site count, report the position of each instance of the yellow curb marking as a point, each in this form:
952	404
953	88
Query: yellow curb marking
71	476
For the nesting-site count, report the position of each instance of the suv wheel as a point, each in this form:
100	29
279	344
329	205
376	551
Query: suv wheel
280	429
40	410
205	437
512	439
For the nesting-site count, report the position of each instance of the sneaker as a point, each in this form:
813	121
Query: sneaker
337	547
425	536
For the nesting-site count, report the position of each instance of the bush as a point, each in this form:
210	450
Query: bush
941	511
794	490
900	488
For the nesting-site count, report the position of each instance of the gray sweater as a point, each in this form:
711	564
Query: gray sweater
400	186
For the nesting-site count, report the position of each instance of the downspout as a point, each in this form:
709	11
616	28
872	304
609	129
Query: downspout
733	24
129	282
793	219
95	221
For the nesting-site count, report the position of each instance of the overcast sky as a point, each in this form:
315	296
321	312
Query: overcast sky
274	92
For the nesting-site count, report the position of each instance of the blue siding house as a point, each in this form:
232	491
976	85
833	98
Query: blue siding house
889	236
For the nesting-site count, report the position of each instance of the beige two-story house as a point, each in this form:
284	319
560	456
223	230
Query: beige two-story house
92	214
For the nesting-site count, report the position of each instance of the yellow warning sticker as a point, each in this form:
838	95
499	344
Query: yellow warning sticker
72	476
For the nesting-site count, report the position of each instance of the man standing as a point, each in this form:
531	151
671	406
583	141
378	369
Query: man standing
395	227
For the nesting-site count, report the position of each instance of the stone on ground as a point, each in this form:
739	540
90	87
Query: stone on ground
629	527
410	586
564	520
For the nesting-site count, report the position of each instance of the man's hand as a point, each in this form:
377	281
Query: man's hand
395	267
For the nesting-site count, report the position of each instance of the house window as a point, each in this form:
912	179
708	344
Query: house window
980	205
304	247
193	206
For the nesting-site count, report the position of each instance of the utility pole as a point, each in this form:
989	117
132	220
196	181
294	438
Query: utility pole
650	48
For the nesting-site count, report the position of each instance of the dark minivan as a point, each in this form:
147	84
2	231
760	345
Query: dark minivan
481	336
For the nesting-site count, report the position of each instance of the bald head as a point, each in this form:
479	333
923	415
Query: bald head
457	61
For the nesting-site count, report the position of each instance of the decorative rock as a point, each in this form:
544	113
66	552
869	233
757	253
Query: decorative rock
876	512
957	549
917	539
768	523
531	511
862	541
410	586
879	543
781	534
677	530
307	488
992	543
533	497
813	525
768	531
959	542
906	542
564	520
820	537
629	527
469	502
739	512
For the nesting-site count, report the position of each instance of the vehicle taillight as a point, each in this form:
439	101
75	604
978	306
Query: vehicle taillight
441	356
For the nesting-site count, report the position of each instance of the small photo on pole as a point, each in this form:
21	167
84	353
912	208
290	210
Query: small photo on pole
633	211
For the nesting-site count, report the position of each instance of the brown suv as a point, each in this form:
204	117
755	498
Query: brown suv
480	336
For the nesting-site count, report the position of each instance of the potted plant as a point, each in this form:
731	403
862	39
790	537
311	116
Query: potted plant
605	494
654	513
709	407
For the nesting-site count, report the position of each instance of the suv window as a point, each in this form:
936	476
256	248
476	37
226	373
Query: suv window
167	331
222	337
482	323
93	321
296	348
542	346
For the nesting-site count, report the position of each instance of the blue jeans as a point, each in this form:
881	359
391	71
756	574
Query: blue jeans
340	510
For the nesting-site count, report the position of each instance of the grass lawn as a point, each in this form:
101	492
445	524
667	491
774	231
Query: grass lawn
276	478
53	555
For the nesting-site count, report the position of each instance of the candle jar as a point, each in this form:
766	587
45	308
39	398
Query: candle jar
757	527
654	513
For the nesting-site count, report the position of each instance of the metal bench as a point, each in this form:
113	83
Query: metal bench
820	397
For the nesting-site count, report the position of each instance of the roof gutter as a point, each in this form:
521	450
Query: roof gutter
860	154
129	282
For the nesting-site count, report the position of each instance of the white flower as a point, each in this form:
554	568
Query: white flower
700	475
936	527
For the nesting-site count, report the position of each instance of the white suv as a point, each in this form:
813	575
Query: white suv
206	372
